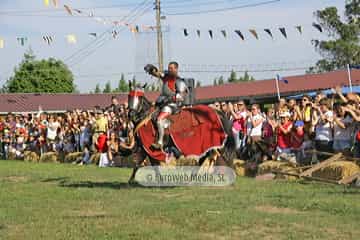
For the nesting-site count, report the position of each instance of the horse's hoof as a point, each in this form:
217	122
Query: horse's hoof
133	182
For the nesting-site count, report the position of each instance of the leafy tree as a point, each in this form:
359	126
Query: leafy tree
246	78
123	85
221	80
133	81
343	47
40	76
198	84
97	89
107	88
232	78
215	83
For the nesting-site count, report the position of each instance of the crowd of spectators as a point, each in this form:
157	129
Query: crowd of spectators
289	129
106	131
303	130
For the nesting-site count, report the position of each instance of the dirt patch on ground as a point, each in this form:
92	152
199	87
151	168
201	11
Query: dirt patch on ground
14	179
273	209
88	213
14	231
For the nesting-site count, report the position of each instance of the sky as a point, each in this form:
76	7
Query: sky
201	58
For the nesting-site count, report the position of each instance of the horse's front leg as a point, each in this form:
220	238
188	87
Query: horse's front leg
140	157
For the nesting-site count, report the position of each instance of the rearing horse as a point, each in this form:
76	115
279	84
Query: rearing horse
194	132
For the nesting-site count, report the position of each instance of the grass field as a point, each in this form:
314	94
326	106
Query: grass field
53	201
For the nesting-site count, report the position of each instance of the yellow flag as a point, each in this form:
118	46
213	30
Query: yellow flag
71	38
46	2
1	43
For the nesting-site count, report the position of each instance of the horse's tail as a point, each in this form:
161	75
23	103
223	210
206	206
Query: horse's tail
229	150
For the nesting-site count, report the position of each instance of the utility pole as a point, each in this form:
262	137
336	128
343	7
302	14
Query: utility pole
159	36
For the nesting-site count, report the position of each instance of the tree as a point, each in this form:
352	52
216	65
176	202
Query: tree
107	88
40	76
232	78
343	47
198	84
221	80
123	85
215	83
97	89
246	78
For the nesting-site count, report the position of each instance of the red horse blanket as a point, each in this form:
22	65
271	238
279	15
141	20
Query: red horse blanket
194	131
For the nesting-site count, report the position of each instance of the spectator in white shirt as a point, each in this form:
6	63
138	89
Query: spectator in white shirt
342	129
323	122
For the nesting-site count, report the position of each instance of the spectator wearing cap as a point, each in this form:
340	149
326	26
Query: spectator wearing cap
101	125
284	135
297	140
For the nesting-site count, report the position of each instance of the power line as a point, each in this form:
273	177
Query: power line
82	55
99	39
206	71
10	11
54	16
100	44
222	9
198	4
113	6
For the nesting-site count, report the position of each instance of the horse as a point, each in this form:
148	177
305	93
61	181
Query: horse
208	126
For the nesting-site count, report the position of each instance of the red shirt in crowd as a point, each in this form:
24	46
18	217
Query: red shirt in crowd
297	138
101	145
284	140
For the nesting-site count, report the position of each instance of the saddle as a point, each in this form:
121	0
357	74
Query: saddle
192	131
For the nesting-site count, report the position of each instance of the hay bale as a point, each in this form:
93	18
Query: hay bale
49	157
240	167
30	156
337	170
186	161
72	157
11	155
270	166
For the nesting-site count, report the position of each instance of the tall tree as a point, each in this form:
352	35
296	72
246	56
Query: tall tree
97	89
40	76
122	86
343	47
246	78
107	88
232	78
221	80
215	83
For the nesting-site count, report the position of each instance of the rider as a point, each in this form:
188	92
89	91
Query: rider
171	97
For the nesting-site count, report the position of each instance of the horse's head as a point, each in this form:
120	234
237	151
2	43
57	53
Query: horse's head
136	100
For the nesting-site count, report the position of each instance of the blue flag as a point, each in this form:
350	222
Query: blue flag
280	79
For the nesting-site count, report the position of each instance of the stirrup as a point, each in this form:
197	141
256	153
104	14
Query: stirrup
157	146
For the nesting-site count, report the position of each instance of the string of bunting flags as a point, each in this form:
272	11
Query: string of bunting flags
253	32
90	14
72	38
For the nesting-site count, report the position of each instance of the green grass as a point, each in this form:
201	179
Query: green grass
53	201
